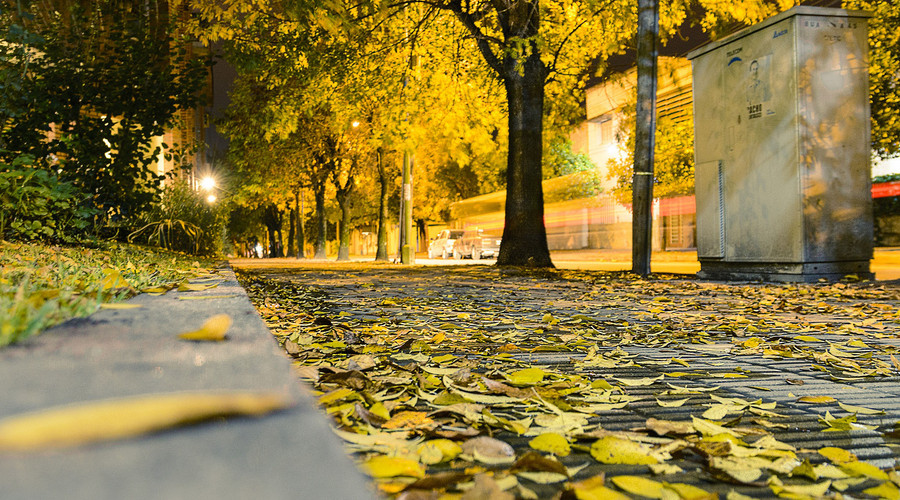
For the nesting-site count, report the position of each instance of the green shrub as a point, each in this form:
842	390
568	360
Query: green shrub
35	205
183	221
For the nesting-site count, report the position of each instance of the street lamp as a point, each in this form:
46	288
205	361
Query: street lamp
208	183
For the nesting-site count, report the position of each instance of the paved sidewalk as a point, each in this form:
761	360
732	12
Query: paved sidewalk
760	344
117	353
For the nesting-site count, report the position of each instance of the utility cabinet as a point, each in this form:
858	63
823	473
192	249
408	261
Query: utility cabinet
782	149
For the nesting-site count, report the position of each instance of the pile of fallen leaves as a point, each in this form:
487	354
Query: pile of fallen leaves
41	286
480	382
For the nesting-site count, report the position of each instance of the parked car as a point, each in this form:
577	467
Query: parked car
443	245
477	244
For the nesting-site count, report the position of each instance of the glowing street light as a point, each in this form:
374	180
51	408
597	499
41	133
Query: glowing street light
355	124
211	199
208	183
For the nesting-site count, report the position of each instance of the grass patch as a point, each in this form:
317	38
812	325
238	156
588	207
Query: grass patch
41	286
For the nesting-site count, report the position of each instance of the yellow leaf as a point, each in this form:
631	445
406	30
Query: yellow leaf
864	469
378	409
638	382
807	338
716	412
672	404
594	489
195	287
551	442
113	279
526	377
615	450
816	399
127	417
383	467
438	338
446	358
408	420
886	490
638	485
837	455
708	428
214	329
803	491
688	492
860	409
751	342
119	305
335	395
438	450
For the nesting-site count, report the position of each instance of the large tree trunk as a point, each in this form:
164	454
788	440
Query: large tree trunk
645	130
321	223
524	235
273	219
301	237
343	199
292	224
382	253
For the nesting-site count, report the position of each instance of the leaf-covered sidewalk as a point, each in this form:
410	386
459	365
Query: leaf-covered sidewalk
479	382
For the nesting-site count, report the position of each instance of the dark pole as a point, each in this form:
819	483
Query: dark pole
644	140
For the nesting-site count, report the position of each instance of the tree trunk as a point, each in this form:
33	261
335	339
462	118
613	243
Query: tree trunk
382	254
273	218
320	222
301	237
292	224
343	199
524	235
645	130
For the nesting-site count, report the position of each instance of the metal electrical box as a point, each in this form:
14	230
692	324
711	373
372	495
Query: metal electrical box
781	123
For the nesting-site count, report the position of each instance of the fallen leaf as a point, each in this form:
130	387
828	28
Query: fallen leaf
672	404
436	451
801	490
595	489
863	469
526	377
113	279
486	488
128	417
489	450
689	492
860	409
837	455
886	490
616	450
119	305
551	442
638	485
382	466
816	399
212	330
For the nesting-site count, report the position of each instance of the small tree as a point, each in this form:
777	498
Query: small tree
96	82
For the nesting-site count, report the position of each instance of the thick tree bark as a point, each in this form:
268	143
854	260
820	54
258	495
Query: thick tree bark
301	237
343	199
292	224
644	143
382	253
524	235
273	219
321	224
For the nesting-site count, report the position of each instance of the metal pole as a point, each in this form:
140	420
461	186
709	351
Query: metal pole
644	137
407	251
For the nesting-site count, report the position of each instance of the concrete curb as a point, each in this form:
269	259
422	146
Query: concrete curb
117	353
